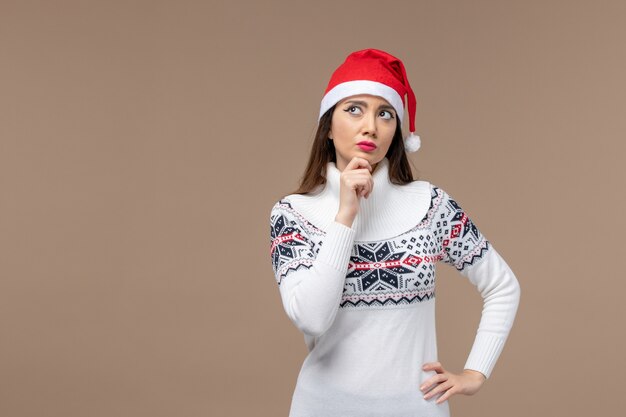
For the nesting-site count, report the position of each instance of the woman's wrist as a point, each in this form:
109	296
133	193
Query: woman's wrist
477	374
344	218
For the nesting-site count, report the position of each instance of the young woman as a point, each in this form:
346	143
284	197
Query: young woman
354	252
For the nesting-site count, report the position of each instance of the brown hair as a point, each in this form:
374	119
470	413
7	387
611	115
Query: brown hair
323	151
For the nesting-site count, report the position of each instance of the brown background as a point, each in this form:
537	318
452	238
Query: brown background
143	144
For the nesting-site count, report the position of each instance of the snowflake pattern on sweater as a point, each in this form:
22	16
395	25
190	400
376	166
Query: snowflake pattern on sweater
395	271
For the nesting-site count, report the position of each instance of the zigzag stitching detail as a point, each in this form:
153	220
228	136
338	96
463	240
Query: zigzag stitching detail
292	266
435	204
476	254
302	221
389	301
389	294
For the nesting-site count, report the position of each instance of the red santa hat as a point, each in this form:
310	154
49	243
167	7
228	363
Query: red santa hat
372	71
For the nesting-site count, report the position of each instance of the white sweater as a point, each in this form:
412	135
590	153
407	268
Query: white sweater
364	296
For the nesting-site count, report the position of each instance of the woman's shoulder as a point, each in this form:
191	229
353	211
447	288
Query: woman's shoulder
441	198
281	204
433	188
288	200
431	193
293	205
417	186
290	211
284	209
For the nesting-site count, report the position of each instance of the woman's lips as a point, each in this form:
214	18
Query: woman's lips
366	146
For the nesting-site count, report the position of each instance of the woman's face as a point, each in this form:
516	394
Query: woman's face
362	119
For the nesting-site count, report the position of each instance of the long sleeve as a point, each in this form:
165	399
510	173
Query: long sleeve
465	248
309	266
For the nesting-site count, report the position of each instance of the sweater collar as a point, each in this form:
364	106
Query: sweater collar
380	176
389	210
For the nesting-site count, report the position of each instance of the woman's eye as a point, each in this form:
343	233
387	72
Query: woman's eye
389	113
353	107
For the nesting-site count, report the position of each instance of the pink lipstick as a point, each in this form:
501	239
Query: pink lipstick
366	145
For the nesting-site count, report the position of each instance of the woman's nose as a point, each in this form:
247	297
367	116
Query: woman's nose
369	124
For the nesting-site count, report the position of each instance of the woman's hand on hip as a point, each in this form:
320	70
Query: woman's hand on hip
468	382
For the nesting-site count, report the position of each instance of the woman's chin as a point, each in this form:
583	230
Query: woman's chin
369	155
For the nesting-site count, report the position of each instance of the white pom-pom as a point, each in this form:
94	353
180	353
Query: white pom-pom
412	143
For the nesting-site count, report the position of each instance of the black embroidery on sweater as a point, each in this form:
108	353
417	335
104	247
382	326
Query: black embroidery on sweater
294	242
461	241
390	272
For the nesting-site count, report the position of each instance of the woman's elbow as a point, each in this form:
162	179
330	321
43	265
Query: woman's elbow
313	326
313	323
516	292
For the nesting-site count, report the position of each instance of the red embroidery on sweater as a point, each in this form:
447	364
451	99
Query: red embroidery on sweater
286	238
409	260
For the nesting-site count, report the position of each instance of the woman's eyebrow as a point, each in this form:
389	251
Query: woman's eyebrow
364	104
